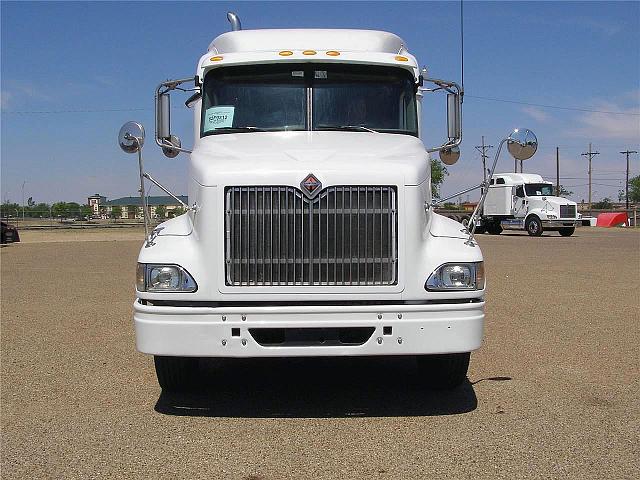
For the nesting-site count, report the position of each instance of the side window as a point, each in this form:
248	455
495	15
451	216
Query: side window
520	191
500	181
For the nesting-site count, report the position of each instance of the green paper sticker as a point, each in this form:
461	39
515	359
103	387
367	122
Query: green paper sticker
218	117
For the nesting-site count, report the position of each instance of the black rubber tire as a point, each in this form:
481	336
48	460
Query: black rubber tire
567	232
175	373
533	226
494	228
444	371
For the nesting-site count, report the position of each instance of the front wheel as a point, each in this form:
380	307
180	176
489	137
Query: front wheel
444	371
567	232
494	228
533	226
175	373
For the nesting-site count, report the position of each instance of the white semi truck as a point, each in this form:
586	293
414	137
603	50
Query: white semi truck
524	201
309	229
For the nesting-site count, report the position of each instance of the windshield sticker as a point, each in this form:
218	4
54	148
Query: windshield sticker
321	74
218	117
297	73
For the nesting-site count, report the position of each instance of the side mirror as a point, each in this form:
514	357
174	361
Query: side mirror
449	156
131	137
454	116
522	144
163	126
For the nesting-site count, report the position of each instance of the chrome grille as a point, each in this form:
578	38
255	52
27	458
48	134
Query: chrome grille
347	235
567	211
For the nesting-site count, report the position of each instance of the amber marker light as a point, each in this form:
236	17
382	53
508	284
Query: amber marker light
333	53
285	53
400	58
309	52
216	59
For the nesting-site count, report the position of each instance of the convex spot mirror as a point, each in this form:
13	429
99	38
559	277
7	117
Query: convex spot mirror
171	152
522	144
131	137
449	156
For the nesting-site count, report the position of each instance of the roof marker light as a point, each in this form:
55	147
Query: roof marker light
285	53
333	53
216	58
400	58
309	52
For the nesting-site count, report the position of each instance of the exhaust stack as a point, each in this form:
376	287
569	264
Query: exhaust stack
234	20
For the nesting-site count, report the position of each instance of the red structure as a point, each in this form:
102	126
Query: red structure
612	219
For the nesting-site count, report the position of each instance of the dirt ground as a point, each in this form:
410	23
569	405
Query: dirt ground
553	393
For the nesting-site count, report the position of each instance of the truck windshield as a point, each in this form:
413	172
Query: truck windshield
538	189
309	96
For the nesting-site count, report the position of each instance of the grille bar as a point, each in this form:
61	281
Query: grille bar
346	235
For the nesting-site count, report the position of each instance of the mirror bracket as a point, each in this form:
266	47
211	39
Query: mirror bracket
164	138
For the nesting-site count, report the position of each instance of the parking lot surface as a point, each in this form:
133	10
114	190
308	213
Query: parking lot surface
553	393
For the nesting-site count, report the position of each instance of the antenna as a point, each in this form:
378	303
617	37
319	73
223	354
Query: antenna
461	48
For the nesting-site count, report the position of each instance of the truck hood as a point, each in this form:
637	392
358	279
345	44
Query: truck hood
550	200
285	158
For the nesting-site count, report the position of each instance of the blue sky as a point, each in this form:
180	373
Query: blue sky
93	66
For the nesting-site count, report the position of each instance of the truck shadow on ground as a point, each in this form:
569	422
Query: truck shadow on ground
314	388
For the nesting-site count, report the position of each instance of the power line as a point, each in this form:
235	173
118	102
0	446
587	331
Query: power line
579	109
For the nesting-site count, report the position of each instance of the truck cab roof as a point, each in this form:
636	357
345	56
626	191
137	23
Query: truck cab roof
304	39
510	179
243	47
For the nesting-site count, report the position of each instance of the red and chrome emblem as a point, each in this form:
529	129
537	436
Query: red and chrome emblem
311	186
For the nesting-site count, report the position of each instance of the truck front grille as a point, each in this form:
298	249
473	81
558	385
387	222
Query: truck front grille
346	235
567	211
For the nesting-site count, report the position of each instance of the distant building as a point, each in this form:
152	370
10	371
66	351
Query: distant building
131	207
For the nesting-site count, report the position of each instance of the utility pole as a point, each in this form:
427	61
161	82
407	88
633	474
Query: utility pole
626	185
557	171
483	149
590	154
23	200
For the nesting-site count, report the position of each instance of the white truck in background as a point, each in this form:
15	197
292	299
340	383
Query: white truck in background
524	201
310	229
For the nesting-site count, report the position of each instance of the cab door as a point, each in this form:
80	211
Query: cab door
519	204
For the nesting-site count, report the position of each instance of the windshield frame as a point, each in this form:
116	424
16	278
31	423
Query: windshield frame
394	74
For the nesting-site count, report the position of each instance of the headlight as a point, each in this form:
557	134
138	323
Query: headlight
456	277
164	278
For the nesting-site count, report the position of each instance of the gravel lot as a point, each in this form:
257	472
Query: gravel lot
553	393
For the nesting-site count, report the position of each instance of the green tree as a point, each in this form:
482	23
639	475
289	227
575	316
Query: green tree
563	192
438	172
131	211
8	209
178	211
161	211
603	204
634	189
116	212
86	211
60	209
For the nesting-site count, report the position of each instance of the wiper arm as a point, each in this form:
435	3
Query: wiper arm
239	129
358	128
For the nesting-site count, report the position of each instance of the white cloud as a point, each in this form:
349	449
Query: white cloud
597	125
536	113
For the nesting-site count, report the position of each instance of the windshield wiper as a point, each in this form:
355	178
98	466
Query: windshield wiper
357	128
239	129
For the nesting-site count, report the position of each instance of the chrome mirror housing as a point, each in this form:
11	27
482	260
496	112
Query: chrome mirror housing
131	137
172	152
450	155
522	144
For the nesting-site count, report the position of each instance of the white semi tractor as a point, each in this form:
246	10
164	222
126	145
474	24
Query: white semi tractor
524	201
309	229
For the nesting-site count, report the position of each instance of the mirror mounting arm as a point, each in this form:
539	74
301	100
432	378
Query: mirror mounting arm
455	95
163	112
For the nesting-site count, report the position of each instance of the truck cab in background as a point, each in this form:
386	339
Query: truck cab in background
524	201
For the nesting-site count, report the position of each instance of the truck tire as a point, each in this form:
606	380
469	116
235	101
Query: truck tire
494	228
444	371
533	225
567	232
175	373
